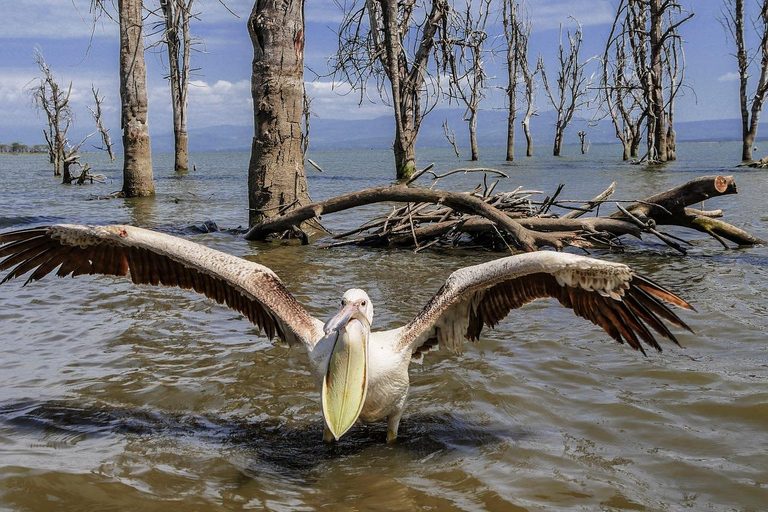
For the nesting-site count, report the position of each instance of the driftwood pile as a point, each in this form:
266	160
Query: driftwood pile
522	219
757	164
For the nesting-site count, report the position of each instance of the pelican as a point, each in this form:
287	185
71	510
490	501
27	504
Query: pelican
362	376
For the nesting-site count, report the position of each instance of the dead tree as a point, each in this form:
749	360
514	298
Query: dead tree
620	88
751	103
572	85
103	130
137	155
277	182
529	79
178	43
386	41
652	27
450	136
49	97
516	32
582	140
465	63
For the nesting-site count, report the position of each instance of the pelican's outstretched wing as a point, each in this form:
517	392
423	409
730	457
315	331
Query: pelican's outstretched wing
155	258
610	295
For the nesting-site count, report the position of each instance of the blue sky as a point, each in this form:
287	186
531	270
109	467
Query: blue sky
220	93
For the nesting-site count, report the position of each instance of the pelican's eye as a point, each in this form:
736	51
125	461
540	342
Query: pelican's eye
362	303
343	302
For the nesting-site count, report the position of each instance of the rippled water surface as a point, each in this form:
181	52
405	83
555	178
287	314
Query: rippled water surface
116	397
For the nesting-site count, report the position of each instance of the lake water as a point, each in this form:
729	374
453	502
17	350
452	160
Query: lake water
116	397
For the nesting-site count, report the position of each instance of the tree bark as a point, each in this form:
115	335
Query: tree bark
404	148
511	130
276	178
473	135
558	145
137	159
528	137
658	112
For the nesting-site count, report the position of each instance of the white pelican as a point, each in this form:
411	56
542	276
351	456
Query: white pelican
362	375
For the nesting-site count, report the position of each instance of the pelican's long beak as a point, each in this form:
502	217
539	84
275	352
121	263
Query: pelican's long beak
342	318
346	380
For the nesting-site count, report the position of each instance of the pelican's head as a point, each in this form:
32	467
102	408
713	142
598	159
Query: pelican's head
346	379
355	304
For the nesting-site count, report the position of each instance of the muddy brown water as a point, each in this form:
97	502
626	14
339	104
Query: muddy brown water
116	397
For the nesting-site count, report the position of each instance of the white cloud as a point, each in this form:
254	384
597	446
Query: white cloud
16	107
728	77
338	101
209	103
549	14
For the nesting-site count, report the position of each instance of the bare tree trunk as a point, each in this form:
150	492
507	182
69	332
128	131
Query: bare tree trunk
389	41
516	32
528	137
137	160
473	135
658	111
176	14
276	179
405	155
530	110
558	145
637	139
572	86
511	131
734	22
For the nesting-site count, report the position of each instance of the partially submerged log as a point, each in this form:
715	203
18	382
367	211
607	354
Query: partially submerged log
671	208
515	219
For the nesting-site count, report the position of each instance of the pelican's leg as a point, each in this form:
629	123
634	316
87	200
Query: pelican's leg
327	436
393	422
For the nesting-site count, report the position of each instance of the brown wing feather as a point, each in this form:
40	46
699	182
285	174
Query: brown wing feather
628	307
43	250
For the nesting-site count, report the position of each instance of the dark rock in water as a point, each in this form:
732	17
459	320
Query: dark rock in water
206	227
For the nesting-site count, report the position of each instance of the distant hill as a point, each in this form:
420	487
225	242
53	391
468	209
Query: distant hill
377	133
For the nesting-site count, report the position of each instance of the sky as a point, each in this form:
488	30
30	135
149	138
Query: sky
85	54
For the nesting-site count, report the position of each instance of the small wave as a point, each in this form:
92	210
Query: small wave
24	220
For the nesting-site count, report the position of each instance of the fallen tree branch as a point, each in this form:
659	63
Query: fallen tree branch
590	205
521	237
673	201
670	207
482	219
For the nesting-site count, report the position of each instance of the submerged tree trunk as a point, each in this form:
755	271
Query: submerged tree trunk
276	179
657	107
404	146
528	137
511	132
558	144
473	136
176	14
137	160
